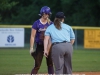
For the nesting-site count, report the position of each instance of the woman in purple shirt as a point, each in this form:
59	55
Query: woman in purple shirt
37	38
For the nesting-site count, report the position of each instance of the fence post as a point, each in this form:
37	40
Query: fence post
75	38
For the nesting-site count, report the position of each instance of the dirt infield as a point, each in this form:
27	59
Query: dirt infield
74	73
86	73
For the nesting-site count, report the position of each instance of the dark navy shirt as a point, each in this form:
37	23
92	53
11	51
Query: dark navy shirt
40	29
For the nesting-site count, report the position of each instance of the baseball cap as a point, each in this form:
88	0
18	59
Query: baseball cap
60	15
46	10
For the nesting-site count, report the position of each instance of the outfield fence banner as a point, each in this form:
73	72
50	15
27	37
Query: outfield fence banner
11	37
92	38
85	37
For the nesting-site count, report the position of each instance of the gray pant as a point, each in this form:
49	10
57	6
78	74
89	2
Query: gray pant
62	58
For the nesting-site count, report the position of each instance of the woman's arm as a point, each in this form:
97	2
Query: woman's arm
72	41
46	43
33	33
49	45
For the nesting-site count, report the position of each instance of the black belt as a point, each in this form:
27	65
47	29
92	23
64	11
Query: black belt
59	42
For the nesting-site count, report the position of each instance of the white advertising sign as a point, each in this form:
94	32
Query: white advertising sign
11	37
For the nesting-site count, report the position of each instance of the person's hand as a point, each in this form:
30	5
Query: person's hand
46	54
31	51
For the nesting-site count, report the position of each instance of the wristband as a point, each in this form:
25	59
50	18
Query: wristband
31	47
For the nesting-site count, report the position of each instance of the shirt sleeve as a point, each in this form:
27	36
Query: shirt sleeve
51	22
34	26
47	32
72	35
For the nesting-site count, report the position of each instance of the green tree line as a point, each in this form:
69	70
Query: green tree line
77	12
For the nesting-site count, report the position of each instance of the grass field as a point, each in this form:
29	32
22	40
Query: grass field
19	61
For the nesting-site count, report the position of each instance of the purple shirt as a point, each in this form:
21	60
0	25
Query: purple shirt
40	29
